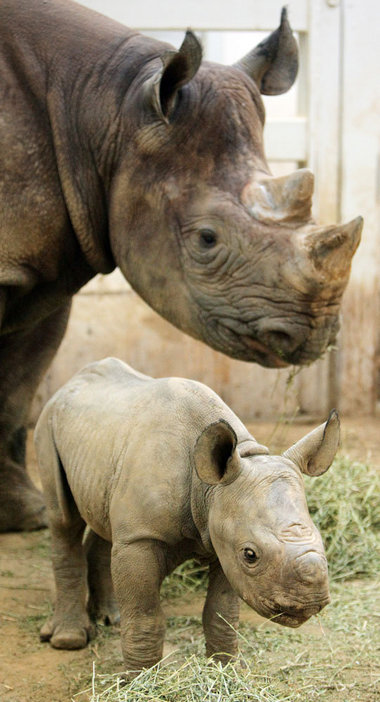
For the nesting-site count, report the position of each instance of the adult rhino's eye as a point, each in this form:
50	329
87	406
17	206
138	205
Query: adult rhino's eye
207	238
250	555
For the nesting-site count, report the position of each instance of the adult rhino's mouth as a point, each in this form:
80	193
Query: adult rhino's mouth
275	347
265	356
242	346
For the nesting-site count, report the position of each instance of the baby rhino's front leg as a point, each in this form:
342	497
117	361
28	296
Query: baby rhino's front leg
220	616
137	572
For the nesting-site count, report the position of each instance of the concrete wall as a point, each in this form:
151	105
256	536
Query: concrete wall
109	319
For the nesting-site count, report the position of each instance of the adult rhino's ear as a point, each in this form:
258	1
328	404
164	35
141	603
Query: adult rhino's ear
315	452
215	456
178	68
273	64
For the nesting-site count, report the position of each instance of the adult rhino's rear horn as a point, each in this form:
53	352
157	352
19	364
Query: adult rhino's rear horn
331	248
282	200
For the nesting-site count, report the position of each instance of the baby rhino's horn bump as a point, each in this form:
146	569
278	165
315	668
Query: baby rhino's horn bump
251	448
311	568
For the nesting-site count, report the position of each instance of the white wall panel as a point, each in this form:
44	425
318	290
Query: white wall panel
201	14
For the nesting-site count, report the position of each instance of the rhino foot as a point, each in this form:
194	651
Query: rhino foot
22	510
34	520
66	636
104	613
70	639
220	657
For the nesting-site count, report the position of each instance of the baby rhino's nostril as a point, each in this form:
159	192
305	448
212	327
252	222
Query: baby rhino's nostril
311	568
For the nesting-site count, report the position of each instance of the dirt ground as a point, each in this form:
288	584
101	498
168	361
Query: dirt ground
33	672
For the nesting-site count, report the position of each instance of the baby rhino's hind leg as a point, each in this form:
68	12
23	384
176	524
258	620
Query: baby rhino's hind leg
70	627
102	604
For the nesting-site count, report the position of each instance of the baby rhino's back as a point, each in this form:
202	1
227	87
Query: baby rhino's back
108	403
93	413
126	439
87	424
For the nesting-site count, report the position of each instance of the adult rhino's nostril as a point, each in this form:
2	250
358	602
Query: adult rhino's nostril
280	341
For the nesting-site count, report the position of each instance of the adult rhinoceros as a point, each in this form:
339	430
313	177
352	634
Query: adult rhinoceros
117	150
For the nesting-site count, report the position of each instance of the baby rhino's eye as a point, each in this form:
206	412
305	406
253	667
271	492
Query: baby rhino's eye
250	555
207	238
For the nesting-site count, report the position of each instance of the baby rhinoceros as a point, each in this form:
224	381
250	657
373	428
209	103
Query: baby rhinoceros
163	471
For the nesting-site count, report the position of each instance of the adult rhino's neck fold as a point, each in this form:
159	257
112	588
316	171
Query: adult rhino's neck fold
82	186
81	139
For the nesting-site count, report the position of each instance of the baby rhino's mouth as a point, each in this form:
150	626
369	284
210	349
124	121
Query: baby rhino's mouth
291	620
294	617
290	616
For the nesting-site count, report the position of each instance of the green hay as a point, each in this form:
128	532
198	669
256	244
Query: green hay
334	660
345	506
188	577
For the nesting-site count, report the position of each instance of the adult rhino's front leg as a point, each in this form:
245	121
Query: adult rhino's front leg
137	574
24	357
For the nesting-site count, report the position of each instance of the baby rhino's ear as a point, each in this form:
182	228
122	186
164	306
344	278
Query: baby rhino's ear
215	456
315	452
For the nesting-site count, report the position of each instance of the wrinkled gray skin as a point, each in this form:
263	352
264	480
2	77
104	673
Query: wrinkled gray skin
165	471
117	150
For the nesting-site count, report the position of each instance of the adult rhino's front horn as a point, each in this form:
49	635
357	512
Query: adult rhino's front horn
307	265
331	248
287	201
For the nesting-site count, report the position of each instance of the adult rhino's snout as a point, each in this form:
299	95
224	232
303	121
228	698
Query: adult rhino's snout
284	341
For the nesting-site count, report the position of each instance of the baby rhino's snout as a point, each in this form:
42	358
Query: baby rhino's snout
311	569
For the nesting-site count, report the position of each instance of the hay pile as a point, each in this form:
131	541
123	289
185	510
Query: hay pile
344	504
